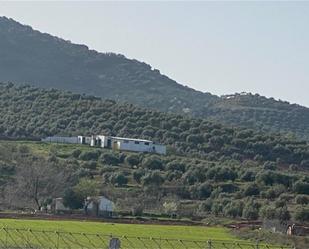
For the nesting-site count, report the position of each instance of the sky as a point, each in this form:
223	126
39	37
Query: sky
217	47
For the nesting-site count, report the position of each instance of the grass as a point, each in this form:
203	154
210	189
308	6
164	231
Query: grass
166	231
82	234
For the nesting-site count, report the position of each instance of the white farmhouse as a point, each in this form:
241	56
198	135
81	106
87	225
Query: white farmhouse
100	206
127	144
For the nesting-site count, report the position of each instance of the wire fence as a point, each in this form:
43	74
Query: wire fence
18	238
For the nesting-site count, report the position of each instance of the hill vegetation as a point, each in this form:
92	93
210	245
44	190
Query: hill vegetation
29	112
28	56
209	168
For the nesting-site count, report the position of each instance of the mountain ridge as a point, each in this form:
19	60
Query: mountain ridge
29	56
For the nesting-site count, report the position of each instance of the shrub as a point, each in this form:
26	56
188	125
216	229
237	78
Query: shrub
132	160
153	163
251	189
302	199
110	159
118	179
301	187
90	155
234	209
302	214
76	153
251	210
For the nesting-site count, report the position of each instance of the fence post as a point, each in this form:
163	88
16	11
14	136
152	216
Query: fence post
257	244
6	238
57	245
209	244
114	243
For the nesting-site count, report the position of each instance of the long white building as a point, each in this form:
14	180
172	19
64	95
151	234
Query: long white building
127	144
115	143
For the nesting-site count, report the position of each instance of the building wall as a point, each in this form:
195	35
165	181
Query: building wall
57	139
132	146
105	205
129	145
84	140
59	207
160	149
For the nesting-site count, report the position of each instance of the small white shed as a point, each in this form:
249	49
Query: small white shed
100	206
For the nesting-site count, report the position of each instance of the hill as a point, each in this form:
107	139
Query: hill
28	56
209	169
28	112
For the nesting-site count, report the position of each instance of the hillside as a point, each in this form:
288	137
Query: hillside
28	112
28	56
209	169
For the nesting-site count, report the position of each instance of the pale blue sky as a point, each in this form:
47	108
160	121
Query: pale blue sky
219	47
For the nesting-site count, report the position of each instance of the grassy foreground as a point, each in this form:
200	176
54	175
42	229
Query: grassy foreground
165	231
83	234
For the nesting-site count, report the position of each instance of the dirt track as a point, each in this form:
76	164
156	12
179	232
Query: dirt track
79	217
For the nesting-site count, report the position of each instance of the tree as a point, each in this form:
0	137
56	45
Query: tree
301	187
132	160
302	214
37	180
86	189
153	162
251	210
251	189
72	200
153	178
118	179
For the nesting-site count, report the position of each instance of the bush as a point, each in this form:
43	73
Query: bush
132	160
268	212
110	159
118	179
234	209
76	153
251	210
206	205
153	163
302	214
251	189
301	187
90	155
302	199
153	178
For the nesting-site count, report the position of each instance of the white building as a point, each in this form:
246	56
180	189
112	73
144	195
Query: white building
100	206
84	140
58	139
127	144
115	143
59	207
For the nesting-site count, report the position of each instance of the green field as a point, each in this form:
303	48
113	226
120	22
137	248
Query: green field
166	231
84	234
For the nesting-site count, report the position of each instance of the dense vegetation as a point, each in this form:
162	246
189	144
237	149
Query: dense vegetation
28	112
42	60
209	168
33	173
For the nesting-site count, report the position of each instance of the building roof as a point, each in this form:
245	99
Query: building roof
132	139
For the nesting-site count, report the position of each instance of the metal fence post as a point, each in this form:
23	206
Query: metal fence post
57	245
114	243
209	244
6	238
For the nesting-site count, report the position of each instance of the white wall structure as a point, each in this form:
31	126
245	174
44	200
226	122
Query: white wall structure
57	139
59	207
127	144
104	204
115	143
84	140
